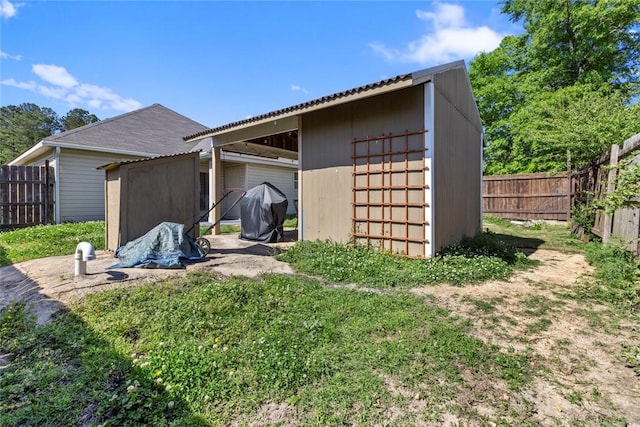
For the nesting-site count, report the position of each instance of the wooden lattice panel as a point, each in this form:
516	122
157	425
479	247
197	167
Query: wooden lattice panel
388	192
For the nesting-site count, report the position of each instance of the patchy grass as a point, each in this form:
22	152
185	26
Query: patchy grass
200	351
617	277
474	259
535	235
48	240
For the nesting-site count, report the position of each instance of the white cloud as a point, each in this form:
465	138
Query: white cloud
8	9
5	55
296	88
449	37
30	85
61	85
55	75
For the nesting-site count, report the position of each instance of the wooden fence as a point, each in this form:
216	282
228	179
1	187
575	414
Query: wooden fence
546	196
26	196
528	196
624	223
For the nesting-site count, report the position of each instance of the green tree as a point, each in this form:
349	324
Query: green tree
23	126
577	121
578	41
566	83
77	118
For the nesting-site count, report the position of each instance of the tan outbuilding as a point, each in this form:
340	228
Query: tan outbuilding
394	164
140	194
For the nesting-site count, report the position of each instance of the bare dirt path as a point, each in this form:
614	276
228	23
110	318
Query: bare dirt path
576	347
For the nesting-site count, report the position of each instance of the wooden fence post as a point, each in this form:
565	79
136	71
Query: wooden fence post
608	217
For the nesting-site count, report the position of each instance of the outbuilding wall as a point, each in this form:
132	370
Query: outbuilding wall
141	195
326	156
458	157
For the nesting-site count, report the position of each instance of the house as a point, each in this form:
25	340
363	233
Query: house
148	132
395	164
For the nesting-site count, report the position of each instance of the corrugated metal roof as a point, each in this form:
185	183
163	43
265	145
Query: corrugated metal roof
126	162
298	107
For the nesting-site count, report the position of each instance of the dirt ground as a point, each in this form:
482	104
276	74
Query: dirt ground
575	348
580	375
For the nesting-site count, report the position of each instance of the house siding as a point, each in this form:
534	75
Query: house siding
82	185
281	178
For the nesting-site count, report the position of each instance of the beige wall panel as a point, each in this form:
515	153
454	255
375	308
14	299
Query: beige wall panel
399	230
112	203
153	191
457	183
327	149
454	86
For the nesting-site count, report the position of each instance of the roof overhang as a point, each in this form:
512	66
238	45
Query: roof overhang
287	118
238	133
44	146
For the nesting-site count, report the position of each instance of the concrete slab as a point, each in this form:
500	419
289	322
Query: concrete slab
48	282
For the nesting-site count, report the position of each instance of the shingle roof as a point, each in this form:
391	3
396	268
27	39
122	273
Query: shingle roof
154	129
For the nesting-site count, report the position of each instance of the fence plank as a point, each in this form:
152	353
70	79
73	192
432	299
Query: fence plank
527	196
608	218
25	195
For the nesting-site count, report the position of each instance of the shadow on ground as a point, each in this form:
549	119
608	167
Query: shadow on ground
528	245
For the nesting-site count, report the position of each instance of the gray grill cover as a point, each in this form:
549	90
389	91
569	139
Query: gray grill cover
263	211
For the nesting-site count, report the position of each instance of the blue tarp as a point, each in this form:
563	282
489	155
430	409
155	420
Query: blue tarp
164	246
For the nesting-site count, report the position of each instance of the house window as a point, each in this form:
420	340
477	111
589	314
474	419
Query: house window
295	180
204	191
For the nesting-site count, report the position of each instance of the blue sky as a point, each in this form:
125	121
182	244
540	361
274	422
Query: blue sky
218	62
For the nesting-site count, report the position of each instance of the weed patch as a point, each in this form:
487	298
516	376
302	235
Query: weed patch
617	276
474	259
64	374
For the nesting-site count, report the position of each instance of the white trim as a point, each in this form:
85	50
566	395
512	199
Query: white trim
246	158
31	151
99	149
56	186
300	184
429	164
36	149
